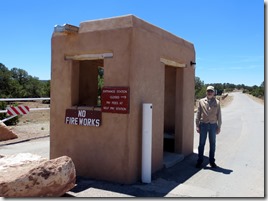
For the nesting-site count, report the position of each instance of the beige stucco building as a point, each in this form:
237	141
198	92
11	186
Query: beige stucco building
142	64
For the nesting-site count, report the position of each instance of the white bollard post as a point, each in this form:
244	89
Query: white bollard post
146	169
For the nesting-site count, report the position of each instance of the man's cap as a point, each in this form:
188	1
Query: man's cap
210	88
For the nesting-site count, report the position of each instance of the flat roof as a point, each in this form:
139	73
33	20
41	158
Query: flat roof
127	21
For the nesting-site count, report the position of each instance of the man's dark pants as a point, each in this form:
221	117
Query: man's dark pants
204	129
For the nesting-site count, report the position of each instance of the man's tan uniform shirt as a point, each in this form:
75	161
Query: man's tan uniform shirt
209	111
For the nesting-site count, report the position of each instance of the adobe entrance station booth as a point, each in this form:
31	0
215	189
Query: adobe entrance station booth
102	73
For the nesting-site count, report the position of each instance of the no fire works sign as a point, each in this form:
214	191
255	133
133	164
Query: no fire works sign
83	117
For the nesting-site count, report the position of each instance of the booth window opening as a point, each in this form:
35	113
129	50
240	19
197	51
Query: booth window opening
90	83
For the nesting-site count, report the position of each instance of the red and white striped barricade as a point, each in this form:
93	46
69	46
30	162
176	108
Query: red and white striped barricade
18	110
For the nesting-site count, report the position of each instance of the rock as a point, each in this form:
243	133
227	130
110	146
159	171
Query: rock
6	133
29	175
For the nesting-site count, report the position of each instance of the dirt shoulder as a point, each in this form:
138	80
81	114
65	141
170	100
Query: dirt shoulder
226	101
259	100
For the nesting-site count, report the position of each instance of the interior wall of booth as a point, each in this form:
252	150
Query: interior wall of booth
170	99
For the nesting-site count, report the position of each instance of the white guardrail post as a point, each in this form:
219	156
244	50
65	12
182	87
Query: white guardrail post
146	162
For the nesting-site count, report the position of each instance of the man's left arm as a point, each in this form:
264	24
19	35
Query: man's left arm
219	119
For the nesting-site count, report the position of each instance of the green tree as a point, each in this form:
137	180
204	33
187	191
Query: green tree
5	81
201	93
46	89
257	91
200	88
33	87
20	75
26	85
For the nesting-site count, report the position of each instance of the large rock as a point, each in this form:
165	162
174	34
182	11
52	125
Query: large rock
6	133
29	175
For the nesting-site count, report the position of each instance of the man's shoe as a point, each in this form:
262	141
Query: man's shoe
198	165
213	165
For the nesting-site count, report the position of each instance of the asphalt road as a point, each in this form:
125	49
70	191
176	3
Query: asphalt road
38	146
239	155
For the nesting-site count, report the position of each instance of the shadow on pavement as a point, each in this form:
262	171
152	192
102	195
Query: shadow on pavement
162	183
219	169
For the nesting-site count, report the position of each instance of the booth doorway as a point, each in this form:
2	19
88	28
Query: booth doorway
169	109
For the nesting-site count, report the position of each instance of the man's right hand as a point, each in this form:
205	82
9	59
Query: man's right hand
197	129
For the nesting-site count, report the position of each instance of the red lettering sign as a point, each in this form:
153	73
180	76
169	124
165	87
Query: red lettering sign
115	100
83	117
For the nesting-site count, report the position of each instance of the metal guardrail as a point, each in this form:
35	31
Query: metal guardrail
21	99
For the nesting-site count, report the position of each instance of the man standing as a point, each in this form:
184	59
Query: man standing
208	121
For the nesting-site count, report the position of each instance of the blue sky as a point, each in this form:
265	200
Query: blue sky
228	35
